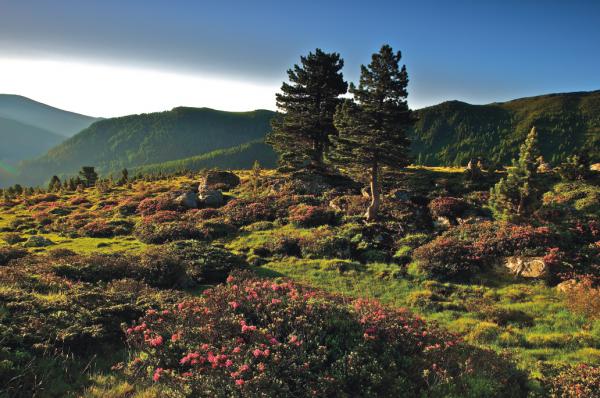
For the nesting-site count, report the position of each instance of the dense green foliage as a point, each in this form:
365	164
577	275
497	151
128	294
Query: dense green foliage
373	127
152	138
453	132
238	157
519	194
308	103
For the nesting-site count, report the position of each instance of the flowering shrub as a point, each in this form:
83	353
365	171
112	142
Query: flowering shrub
584	297
240	212
153	205
311	216
447	206
106	229
161	217
580	381
446	258
11	253
469	247
203	263
257	337
166	232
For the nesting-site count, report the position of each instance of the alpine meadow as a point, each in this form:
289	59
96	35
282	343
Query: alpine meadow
382	223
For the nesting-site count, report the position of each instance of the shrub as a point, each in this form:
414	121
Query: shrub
13	238
584	297
11	253
106	229
203	263
257	337
240	212
446	258
311	216
449	207
324	243
152	205
579	381
166	232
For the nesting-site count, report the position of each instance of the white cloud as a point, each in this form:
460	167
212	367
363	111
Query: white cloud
114	90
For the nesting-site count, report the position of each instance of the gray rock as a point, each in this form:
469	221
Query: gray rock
211	197
526	267
226	178
189	200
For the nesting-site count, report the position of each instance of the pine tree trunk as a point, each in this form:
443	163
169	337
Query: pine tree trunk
373	209
317	156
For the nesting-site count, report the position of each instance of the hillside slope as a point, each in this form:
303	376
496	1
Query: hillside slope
237	157
453	132
21	141
151	138
43	116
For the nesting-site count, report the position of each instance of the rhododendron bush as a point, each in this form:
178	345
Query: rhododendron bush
255	337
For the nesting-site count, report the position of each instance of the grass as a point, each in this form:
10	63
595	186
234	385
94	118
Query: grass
554	335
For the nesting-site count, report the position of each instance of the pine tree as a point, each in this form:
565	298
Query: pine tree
124	177
373	127
518	194
54	184
89	176
308	103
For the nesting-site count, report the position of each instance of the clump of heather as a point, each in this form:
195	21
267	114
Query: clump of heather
255	337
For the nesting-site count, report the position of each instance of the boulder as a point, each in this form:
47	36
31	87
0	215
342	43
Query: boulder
38	241
222	178
189	200
527	267
211	198
567	285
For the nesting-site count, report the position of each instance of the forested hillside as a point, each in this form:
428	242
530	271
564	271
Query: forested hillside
237	157
151	138
453	132
21	141
33	113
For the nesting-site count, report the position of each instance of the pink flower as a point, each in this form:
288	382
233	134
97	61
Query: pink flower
244	368
230	279
175	337
157	341
236	350
239	382
157	374
275	301
228	363
257	353
234	304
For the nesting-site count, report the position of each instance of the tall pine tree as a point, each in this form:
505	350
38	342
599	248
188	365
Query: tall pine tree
373	127
519	193
308	102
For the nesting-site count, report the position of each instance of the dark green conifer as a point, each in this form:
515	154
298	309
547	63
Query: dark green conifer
89	176
54	184
373	127
519	193
308	102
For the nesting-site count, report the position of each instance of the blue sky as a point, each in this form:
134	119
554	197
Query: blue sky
475	51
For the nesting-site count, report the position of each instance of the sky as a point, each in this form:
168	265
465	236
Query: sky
111	58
